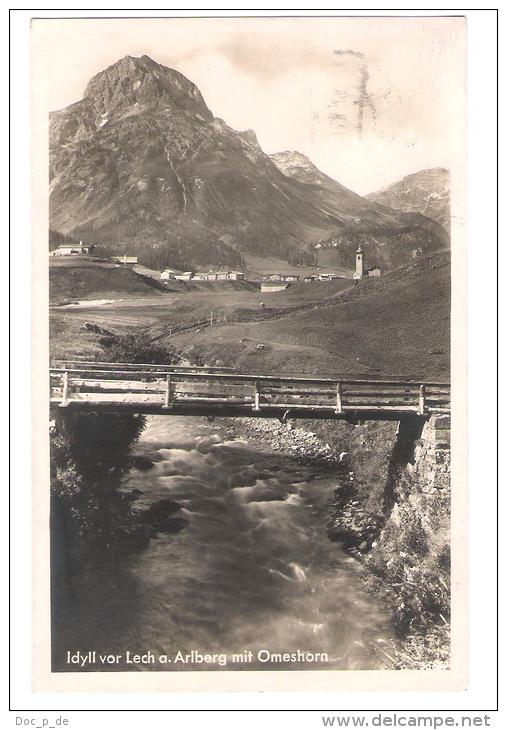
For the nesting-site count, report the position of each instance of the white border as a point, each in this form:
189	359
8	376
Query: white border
482	238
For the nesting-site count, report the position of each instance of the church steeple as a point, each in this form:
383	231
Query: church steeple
359	263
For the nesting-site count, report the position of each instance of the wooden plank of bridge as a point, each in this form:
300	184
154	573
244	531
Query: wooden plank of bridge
307	380
345	409
101	365
120	385
232	376
117	398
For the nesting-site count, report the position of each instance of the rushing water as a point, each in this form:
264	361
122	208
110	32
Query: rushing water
251	570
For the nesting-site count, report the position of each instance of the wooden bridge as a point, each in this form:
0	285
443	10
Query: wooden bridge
201	391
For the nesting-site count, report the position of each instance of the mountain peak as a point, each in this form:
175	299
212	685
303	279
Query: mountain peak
297	165
141	80
292	158
141	165
425	191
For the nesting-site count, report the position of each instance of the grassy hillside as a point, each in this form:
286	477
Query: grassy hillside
88	278
398	324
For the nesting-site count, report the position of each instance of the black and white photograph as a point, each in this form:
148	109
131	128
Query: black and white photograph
249	225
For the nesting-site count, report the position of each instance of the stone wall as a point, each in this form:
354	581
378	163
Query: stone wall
412	550
393	512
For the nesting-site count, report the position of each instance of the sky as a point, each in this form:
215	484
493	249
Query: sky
369	100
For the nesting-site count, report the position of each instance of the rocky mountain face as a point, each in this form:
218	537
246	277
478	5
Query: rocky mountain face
141	165
387	242
295	164
426	192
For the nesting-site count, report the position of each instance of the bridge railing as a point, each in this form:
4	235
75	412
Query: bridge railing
136	367
165	389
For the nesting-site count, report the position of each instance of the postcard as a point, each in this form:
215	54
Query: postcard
245	472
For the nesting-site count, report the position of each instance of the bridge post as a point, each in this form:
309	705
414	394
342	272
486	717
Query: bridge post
422	396
65	389
257	394
338	408
167	395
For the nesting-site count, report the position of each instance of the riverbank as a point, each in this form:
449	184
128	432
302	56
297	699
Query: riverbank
391	512
252	570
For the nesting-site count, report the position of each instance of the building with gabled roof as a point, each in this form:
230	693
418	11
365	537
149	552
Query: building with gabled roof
74	249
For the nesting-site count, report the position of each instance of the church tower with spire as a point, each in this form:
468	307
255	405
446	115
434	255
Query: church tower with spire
359	263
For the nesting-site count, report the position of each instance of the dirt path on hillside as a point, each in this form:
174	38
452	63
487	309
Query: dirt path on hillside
83	304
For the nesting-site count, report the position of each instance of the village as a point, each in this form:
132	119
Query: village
269	282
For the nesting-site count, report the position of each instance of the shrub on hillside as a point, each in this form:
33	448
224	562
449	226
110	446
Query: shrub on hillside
138	348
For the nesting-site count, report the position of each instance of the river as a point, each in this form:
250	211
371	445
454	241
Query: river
251	570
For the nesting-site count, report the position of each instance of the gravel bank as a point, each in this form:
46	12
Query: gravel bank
286	438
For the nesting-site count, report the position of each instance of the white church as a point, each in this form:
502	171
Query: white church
360	271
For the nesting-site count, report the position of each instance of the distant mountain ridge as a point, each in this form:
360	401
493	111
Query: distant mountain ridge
141	165
426	192
294	164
